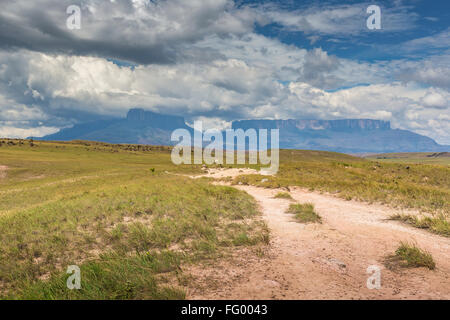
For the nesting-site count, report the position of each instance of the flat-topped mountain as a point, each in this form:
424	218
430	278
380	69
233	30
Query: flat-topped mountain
347	136
337	125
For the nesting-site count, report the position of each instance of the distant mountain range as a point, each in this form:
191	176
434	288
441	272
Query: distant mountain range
139	127
347	136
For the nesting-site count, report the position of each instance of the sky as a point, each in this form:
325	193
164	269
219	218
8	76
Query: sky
223	60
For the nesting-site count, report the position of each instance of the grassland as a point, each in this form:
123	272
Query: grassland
116	212
131	220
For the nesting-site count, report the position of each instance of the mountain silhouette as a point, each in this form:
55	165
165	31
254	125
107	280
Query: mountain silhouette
347	136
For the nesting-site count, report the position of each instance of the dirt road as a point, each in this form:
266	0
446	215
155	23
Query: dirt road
3	171
328	260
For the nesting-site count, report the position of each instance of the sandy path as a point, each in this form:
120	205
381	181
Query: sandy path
328	260
3	171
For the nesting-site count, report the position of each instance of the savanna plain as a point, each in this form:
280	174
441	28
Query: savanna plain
140	227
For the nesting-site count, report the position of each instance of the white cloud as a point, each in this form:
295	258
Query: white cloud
22	133
404	105
201	59
436	99
338	20
222	90
440	41
432	71
137	31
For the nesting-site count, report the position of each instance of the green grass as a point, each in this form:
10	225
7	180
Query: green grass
410	256
304	213
113	276
116	211
438	225
107	208
283	195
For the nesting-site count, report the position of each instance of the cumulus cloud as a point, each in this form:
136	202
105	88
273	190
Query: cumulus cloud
138	31
202	60
146	31
436	99
66	88
431	71
318	68
407	106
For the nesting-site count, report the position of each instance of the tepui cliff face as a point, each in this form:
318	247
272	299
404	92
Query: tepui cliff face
155	120
338	125
347	135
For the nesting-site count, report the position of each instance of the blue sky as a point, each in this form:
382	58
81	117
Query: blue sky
221	60
414	20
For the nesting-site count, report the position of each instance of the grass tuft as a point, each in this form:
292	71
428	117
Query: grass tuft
304	213
282	195
410	256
